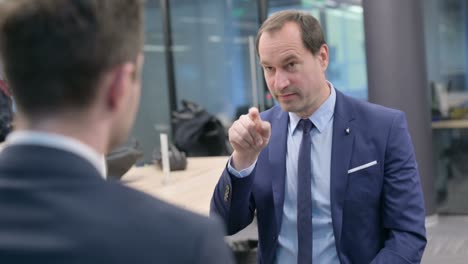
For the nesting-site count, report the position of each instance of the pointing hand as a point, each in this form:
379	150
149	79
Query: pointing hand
248	136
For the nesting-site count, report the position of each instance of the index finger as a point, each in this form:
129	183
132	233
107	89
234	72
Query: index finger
254	115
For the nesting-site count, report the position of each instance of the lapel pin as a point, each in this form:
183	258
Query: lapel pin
347	131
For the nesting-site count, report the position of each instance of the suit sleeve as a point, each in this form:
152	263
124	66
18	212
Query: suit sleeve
403	211
233	202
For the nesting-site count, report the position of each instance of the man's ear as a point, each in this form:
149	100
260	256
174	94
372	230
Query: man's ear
323	56
119	83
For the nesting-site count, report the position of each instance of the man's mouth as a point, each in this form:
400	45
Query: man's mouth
286	96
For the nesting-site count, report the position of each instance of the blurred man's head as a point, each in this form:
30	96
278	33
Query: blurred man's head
74	57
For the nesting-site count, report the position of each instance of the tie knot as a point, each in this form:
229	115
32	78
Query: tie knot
306	125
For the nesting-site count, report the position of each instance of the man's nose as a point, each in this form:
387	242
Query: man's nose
281	80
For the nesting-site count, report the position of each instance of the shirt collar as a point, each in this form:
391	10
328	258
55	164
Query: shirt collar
57	141
321	116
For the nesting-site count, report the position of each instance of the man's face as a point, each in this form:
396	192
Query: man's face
295	77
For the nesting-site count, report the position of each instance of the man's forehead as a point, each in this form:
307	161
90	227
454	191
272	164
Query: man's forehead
279	49
280	57
286	35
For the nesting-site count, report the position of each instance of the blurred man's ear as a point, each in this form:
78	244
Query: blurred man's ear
139	65
120	79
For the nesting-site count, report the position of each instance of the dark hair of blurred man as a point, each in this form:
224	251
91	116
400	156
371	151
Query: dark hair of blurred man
74	67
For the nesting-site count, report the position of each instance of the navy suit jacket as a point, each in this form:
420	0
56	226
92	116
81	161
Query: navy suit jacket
377	213
56	208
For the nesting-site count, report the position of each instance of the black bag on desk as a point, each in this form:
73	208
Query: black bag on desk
198	133
120	160
177	159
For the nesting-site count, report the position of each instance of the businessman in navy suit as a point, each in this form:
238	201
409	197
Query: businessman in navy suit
331	179
74	67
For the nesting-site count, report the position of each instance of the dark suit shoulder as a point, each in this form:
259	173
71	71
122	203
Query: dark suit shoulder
168	228
371	108
142	203
75	216
370	113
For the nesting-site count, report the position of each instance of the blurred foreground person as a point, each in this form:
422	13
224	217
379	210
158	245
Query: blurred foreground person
74	67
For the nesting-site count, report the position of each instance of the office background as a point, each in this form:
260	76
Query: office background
410	55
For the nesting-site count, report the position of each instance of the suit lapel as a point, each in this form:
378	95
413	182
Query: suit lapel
343	139
277	159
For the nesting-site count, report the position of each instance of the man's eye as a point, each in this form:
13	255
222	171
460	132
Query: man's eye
291	65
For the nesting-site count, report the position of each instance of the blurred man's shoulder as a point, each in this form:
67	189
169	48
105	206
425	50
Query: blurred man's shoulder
149	221
163	213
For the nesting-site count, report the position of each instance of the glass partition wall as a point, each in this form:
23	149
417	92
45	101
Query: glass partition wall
213	62
212	53
446	33
153	115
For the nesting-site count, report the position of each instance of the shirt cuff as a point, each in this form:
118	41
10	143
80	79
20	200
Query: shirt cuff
243	173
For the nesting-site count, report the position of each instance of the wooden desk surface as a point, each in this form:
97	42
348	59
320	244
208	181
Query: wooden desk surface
190	189
448	124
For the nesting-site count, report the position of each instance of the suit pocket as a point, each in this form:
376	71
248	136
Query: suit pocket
364	183
362	167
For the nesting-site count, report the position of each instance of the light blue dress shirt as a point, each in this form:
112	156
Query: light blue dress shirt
324	250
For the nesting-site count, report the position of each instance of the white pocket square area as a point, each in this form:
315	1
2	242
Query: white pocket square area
367	165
